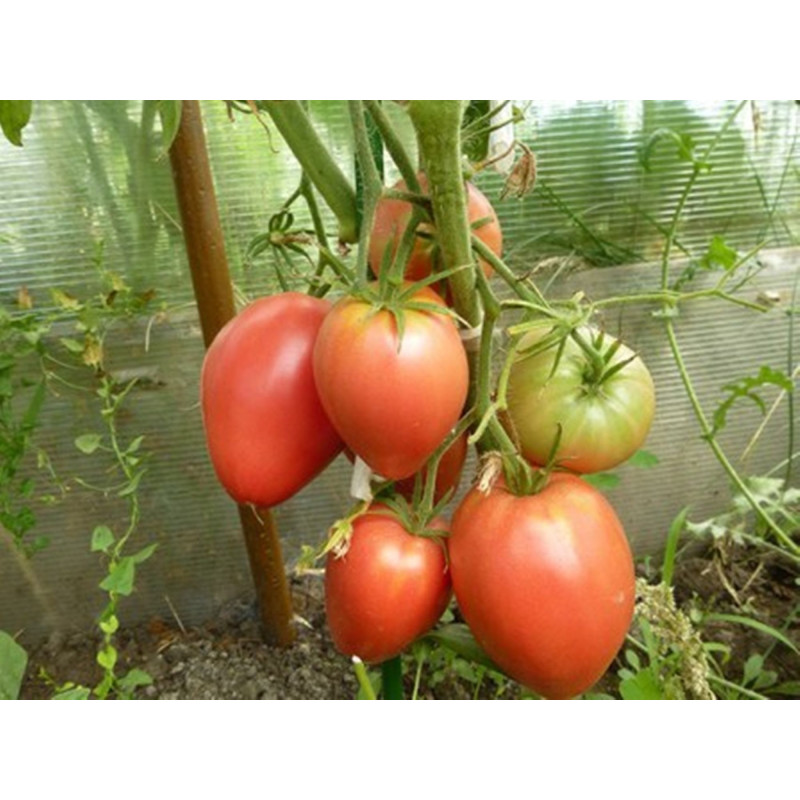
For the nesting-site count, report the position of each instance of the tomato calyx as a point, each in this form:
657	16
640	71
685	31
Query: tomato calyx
600	366
414	520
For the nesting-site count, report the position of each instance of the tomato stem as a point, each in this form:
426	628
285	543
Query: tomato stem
291	120
522	287
393	144
438	127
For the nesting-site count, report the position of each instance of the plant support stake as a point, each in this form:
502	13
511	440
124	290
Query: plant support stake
205	248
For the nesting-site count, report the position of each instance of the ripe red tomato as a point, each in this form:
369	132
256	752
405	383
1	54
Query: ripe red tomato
266	431
545	582
392	400
602	425
392	217
388	589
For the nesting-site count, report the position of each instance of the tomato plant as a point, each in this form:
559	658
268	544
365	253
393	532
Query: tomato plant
599	392
544	581
448	474
266	430
392	379
387	589
391	219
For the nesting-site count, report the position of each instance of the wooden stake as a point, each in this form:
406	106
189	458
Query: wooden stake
205	247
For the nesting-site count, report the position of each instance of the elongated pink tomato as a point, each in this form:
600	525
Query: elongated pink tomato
266	431
544	581
392	396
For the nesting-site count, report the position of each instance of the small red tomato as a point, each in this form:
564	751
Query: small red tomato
544	581
393	396
391	220
387	590
266	430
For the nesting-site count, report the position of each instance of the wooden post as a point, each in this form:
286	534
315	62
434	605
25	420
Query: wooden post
205	247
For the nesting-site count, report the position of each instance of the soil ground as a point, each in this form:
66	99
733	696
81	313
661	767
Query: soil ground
227	658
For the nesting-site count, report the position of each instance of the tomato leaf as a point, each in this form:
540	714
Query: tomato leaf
643	458
719	254
14	116
746	388
458	638
602	480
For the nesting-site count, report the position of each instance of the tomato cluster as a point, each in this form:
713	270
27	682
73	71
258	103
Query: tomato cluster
543	574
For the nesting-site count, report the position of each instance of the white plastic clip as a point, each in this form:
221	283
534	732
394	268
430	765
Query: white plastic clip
471	337
360	488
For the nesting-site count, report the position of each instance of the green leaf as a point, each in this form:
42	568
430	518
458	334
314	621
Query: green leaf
752	668
109	626
642	686
719	255
458	638
671	549
133	679
75	693
644	459
602	480
73	345
475	142
88	442
14	116
133	484
745	388
13	662
144	553
102	538
790	687
120	578
107	657
135	444
65	300
34	407
755	624
170	113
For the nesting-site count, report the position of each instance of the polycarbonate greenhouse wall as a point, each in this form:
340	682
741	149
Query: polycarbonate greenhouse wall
90	193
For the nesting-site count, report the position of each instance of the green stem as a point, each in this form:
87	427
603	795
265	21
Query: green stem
392	674
490	433
294	125
790	371
524	288
393	144
363	679
438	127
698	168
708	435
706	428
